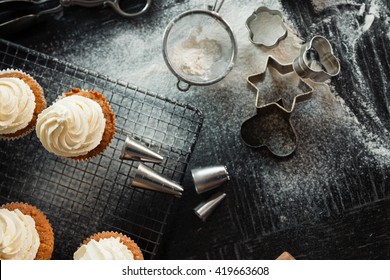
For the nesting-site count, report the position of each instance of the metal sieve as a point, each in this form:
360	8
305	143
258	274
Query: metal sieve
199	47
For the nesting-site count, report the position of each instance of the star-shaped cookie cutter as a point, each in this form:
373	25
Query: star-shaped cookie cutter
272	95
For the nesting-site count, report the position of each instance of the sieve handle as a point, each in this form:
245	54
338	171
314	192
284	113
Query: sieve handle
180	83
217	6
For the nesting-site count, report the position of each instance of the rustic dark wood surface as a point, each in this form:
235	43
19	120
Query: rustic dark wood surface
329	200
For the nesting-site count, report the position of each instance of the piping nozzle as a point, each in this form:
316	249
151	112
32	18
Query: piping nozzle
147	178
208	178
132	150
205	208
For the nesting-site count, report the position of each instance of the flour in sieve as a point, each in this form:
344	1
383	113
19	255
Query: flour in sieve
195	56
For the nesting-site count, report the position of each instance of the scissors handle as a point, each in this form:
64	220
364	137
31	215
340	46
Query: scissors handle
83	3
28	1
112	3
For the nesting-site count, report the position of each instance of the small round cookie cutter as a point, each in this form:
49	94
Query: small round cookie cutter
199	32
316	60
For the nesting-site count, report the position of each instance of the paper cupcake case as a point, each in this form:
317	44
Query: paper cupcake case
38	109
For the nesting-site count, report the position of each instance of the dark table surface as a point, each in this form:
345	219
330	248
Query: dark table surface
330	199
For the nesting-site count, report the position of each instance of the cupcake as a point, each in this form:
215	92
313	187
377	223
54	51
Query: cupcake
79	125
21	100
108	246
26	233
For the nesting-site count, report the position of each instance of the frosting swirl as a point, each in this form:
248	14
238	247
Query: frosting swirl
104	249
17	104
72	126
19	239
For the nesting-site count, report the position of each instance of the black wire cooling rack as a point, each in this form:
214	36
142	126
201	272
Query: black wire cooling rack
82	198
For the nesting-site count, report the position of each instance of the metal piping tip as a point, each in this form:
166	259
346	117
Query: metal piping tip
208	178
147	178
133	150
205	208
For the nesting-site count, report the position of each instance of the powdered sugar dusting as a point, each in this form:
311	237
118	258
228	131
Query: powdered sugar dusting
195	56
362	9
251	59
320	5
371	15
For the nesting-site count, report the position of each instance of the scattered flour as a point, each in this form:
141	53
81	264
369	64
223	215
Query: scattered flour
195	56
370	15
320	5
352	30
362	9
374	12
251	59
375	8
387	23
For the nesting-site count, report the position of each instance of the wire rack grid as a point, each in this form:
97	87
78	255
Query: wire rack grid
82	198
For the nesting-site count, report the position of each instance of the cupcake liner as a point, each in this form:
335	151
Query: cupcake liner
109	131
42	225
127	241
9	138
40	103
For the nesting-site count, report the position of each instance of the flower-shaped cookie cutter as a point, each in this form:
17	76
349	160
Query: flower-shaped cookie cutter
284	98
266	27
316	60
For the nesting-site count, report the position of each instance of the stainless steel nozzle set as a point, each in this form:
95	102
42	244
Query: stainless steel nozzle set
271	126
205	179
146	177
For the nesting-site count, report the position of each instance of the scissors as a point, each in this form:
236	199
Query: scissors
114	4
18	14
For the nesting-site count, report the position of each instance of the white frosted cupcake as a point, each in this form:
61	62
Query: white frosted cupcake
108	246
79	125
25	233
21	100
